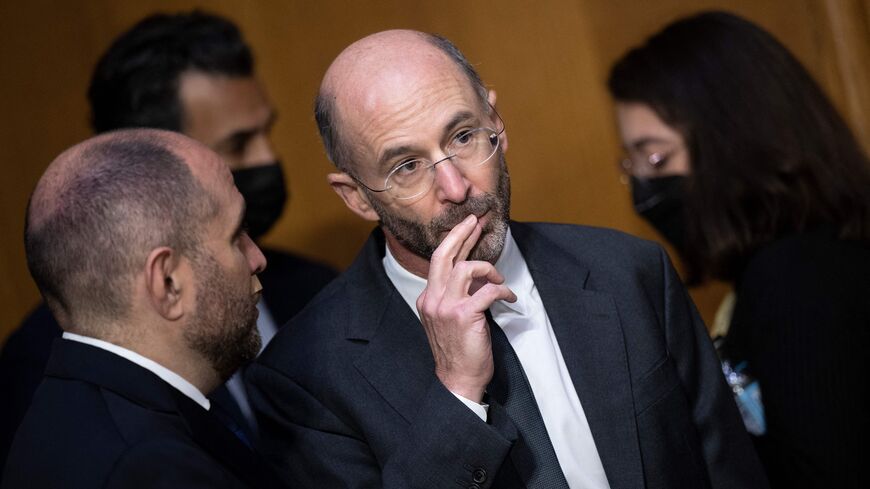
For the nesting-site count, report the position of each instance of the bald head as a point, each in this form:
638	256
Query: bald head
371	71
101	207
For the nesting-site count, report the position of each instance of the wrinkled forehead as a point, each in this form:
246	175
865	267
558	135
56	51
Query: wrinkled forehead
383	94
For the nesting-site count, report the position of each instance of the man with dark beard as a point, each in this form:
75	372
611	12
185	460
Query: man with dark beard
194	73
135	241
465	350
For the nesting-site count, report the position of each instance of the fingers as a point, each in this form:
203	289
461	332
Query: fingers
488	294
465	272
469	243
441	264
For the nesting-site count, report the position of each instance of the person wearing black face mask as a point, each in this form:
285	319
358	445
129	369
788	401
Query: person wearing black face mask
265	195
659	200
737	157
192	73
656	167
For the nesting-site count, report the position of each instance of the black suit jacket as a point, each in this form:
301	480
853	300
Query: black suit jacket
289	282
347	396
99	420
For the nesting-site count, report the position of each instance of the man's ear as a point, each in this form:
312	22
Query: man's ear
353	195
503	139
165	282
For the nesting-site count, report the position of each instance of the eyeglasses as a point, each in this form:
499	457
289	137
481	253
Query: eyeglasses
643	163
468	148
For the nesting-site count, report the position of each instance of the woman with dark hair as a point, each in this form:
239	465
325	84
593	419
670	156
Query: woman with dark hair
737	157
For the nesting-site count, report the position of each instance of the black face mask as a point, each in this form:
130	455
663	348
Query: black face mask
265	195
660	201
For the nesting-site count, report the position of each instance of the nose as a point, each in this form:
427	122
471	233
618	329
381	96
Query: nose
451	184
255	257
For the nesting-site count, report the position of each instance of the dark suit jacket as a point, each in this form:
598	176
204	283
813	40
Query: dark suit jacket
99	420
347	396
289	282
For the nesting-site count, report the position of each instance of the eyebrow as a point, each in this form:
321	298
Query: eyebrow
245	134
640	143
456	120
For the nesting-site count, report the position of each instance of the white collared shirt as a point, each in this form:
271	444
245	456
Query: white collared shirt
164	373
527	327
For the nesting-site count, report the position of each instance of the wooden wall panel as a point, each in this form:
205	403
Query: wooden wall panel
547	60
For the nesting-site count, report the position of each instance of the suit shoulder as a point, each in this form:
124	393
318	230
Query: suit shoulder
67	435
286	263
34	336
318	328
597	242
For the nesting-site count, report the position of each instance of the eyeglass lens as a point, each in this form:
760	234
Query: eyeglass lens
468	149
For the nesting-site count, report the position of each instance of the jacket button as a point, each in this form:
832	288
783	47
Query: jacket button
479	475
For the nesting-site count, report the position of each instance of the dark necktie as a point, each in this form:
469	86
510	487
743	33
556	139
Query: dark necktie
220	409
510	388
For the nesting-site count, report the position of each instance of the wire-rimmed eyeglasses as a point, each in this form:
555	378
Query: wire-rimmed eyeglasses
468	148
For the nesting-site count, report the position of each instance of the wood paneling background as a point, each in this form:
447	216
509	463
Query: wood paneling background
546	59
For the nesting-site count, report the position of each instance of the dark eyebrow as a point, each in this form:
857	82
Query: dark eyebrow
391	153
640	143
457	119
245	134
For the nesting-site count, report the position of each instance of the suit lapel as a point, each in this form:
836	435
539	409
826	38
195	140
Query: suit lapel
91	364
398	362
590	337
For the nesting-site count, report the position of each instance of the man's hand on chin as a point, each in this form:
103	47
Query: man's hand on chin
452	308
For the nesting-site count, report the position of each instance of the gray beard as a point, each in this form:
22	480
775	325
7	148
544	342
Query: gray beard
422	239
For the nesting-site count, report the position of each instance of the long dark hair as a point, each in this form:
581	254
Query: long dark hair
769	154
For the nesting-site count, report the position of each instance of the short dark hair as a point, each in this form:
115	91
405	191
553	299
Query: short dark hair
324	105
133	194
135	83
769	154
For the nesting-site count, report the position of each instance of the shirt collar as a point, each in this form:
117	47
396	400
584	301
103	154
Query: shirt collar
164	373
510	264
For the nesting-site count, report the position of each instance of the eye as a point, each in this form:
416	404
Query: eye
463	138
658	159
408	168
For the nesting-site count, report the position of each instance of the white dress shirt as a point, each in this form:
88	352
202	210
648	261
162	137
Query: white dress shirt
164	373
527	327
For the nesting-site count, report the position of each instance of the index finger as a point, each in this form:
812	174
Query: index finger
443	257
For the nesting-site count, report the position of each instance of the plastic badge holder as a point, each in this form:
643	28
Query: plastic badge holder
747	395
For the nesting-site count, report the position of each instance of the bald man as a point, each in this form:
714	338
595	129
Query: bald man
191	72
465	350
135	241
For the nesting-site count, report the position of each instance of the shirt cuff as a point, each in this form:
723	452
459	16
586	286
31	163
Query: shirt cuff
481	410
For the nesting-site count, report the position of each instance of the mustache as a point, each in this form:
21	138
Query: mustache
452	216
